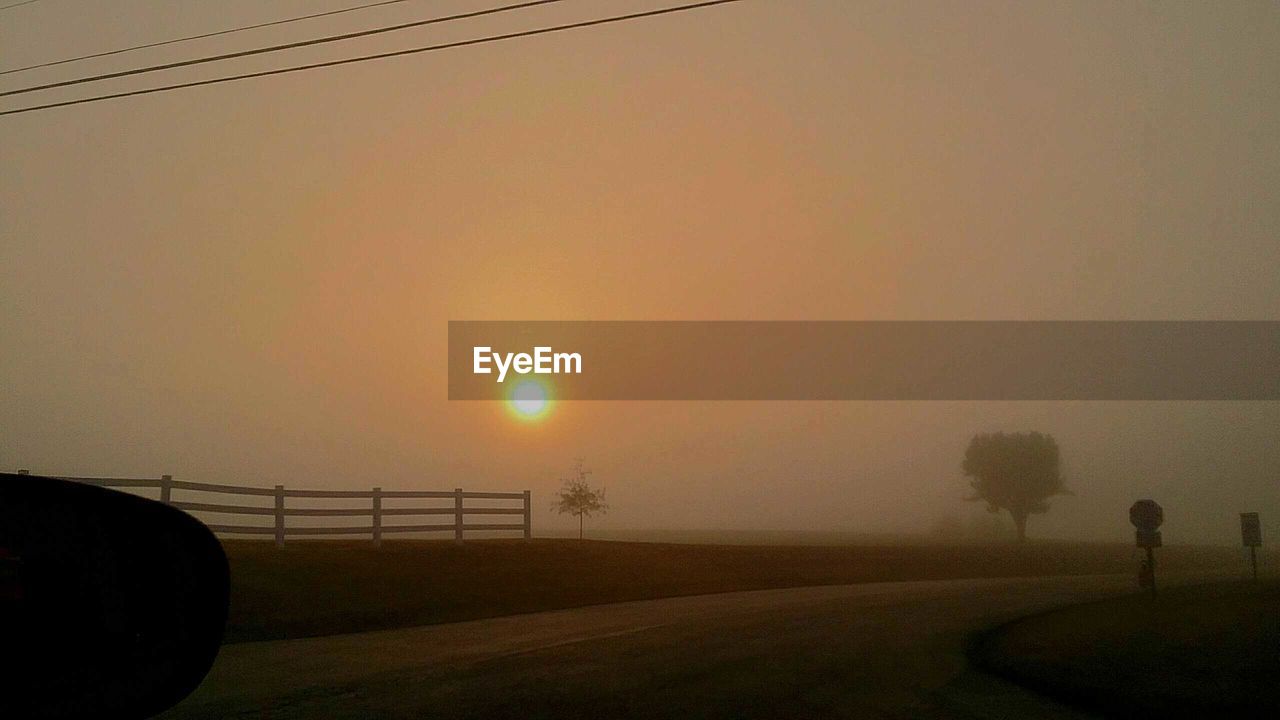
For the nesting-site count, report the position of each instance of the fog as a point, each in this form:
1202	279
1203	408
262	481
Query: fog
250	282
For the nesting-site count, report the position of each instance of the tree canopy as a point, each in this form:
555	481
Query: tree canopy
1017	472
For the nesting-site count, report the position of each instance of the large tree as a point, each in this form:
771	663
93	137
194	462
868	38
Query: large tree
1017	472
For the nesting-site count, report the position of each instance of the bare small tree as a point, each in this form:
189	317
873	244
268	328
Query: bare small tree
577	497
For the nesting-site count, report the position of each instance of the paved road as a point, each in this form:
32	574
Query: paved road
882	650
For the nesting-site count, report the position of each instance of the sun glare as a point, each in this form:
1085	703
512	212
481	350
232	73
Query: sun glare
529	400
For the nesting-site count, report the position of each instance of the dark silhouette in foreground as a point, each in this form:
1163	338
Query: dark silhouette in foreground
1197	651
1017	472
111	605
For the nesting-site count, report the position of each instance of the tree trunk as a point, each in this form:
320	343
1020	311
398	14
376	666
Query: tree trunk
1020	521
580	517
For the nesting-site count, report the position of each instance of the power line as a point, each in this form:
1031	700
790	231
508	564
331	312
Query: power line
18	4
216	33
380	56
278	48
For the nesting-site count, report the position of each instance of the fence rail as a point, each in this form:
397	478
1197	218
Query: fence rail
458	510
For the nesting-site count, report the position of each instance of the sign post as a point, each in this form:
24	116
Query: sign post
1251	534
1146	516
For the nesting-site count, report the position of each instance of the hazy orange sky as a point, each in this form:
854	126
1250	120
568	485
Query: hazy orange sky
250	282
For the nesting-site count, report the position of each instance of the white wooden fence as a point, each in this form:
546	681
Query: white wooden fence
458	511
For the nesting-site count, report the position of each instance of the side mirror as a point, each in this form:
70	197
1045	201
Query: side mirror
111	605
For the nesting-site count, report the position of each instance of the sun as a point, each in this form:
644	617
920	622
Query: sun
529	400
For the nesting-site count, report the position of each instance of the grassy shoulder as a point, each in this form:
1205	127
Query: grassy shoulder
329	587
1195	651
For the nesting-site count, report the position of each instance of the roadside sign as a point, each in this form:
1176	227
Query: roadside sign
1146	515
1250	529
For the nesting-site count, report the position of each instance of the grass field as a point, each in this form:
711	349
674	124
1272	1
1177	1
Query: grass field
1195	651
328	587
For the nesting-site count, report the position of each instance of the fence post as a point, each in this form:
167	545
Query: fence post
279	516
528	515
377	517
166	488
457	515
